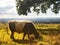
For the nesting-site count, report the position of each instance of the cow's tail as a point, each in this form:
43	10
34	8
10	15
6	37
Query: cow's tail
7	29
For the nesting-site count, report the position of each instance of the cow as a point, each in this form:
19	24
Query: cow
23	26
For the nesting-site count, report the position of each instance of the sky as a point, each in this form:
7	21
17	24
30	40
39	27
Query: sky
8	10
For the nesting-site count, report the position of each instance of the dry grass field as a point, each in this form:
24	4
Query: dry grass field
50	34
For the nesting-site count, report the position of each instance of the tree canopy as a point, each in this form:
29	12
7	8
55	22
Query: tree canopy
23	6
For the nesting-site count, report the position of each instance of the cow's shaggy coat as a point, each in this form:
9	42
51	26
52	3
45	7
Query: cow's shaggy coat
26	27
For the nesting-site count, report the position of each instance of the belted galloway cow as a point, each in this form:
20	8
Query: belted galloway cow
23	26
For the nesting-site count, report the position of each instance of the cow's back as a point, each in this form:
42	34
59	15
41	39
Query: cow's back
19	25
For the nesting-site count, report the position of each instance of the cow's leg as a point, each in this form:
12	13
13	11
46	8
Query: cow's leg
24	36
12	35
28	35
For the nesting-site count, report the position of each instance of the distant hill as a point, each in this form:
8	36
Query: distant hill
36	20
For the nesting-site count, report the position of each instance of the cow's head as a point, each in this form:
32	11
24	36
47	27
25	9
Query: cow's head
38	35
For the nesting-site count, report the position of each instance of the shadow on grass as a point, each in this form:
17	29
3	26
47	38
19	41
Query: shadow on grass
24	41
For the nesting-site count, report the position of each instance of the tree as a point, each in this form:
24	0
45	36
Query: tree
23	6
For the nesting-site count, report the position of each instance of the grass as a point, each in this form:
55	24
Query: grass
48	37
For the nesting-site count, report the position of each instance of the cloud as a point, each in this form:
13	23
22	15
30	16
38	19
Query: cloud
6	6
